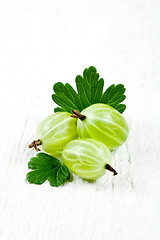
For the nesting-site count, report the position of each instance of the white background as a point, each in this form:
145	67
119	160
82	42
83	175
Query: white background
42	42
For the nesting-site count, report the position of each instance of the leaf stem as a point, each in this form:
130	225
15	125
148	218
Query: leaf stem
108	167
34	144
77	114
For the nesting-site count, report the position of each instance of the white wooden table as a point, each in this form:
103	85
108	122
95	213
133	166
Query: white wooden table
42	42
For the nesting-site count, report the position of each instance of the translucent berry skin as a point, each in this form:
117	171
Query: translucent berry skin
86	158
105	124
56	131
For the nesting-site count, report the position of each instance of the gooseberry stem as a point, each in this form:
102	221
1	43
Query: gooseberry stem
77	114
108	167
34	144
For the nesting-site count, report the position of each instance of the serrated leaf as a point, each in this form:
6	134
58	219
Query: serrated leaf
66	97
121	108
38	176
74	96
113	96
90	91
64	102
46	167
82	91
89	86
58	109
98	91
58	180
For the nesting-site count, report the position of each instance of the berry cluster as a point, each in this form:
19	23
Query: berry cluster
81	134
84	140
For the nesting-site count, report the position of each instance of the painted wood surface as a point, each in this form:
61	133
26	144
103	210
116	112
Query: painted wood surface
42	42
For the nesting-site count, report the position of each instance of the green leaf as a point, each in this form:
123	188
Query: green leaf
89	86
66	97
98	91
58	109
89	91
121	108
46	167
113	96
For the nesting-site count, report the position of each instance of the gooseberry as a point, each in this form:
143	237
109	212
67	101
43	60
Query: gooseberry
87	158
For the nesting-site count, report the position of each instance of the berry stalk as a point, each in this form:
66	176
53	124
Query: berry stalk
108	167
77	114
34	144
